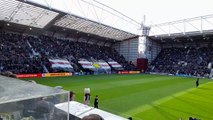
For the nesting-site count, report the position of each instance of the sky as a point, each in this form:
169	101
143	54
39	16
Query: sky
160	11
156	11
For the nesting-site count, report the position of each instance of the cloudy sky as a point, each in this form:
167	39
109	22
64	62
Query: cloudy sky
156	11
159	11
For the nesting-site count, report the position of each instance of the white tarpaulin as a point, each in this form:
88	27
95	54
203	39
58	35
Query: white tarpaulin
81	110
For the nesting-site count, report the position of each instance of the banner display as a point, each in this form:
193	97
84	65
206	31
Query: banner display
60	63
86	64
129	72
97	65
42	75
115	64
56	74
29	75
104	65
134	72
123	72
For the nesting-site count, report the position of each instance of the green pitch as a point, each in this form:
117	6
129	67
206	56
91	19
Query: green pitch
144	97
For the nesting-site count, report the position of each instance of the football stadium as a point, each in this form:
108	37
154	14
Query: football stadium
86	60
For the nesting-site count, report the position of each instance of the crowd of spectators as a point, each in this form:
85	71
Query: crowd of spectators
15	55
186	61
49	47
29	54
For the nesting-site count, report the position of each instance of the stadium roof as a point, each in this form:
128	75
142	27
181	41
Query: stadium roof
90	27
33	15
25	14
191	29
189	38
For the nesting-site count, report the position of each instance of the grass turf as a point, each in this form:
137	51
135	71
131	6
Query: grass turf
144	97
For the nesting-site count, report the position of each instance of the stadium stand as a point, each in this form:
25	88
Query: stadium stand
53	48
183	61
16	55
32	54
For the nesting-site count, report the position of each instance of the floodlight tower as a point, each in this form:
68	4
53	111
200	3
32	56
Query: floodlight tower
145	29
143	39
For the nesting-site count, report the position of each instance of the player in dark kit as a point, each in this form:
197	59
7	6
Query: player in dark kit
96	102
197	82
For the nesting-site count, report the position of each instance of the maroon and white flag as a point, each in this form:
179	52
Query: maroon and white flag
60	63
115	64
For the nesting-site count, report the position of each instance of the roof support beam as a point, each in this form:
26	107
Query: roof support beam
188	26
163	30
208	21
193	26
178	29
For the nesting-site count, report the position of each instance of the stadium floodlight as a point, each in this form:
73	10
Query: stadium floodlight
22	13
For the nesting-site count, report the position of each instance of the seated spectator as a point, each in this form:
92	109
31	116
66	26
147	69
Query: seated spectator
72	96
92	117
183	61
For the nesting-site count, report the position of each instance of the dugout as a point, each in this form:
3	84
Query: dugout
23	100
